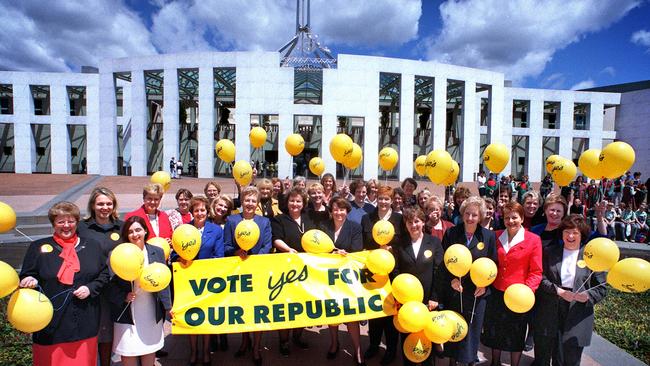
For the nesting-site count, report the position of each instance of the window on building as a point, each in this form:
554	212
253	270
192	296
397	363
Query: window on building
77	100
41	99
6	99
581	116
119	101
520	110
552	115
307	86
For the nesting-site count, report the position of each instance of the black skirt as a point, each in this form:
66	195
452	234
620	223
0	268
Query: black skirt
503	329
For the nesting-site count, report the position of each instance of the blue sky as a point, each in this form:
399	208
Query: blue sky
558	44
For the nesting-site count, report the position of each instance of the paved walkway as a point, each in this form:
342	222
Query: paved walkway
31	195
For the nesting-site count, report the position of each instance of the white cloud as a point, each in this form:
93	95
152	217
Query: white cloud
62	36
267	25
553	81
641	37
584	84
517	37
609	70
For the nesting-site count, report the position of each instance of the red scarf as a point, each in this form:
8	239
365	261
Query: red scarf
70	264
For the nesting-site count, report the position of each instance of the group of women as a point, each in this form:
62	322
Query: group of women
98	311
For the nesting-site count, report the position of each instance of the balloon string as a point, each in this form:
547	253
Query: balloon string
587	280
473	307
597	286
461	295
41	295
127	304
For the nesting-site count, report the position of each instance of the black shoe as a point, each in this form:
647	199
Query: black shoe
357	362
284	349
371	352
257	361
241	351
300	343
388	358
161	353
332	355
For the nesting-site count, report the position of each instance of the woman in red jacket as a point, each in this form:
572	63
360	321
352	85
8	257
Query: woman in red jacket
520	261
157	221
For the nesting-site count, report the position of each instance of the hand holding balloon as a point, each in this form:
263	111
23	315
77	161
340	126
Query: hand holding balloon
28	282
82	292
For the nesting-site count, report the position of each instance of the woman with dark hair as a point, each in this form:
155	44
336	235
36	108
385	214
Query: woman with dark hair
249	200
347	237
399	199
181	214
564	306
287	229
520	261
103	226
481	242
384	325
138	315
60	264
409	185
419	254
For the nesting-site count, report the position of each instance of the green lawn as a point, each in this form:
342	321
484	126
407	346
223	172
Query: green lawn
624	319
15	347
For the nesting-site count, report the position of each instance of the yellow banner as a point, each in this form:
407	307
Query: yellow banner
276	291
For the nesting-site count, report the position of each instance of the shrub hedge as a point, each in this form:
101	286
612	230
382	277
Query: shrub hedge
15	346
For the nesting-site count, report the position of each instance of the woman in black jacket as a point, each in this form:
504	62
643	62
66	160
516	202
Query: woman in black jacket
71	272
419	254
481	242
138	315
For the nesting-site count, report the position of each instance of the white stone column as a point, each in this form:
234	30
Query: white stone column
566	125
23	139
329	123
471	133
497	123
506	133
439	122
406	123
285	128
596	119
171	138
59	140
535	139
206	123
139	116
94	137
242	143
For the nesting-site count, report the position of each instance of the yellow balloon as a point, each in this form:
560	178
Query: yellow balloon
564	170
438	165
155	277
459	324
458	260
8	279
589	164
29	310
186	241
420	164
380	261
225	150
483	272
341	147
550	161
413	316
630	275
397	325
7	218
601	254
294	144
519	298
383	232
246	234
453	174
242	172
163	178
316	166
257	136
127	261
417	347
616	159
440	329
407	287
354	159
162	244
496	157
388	158
316	241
